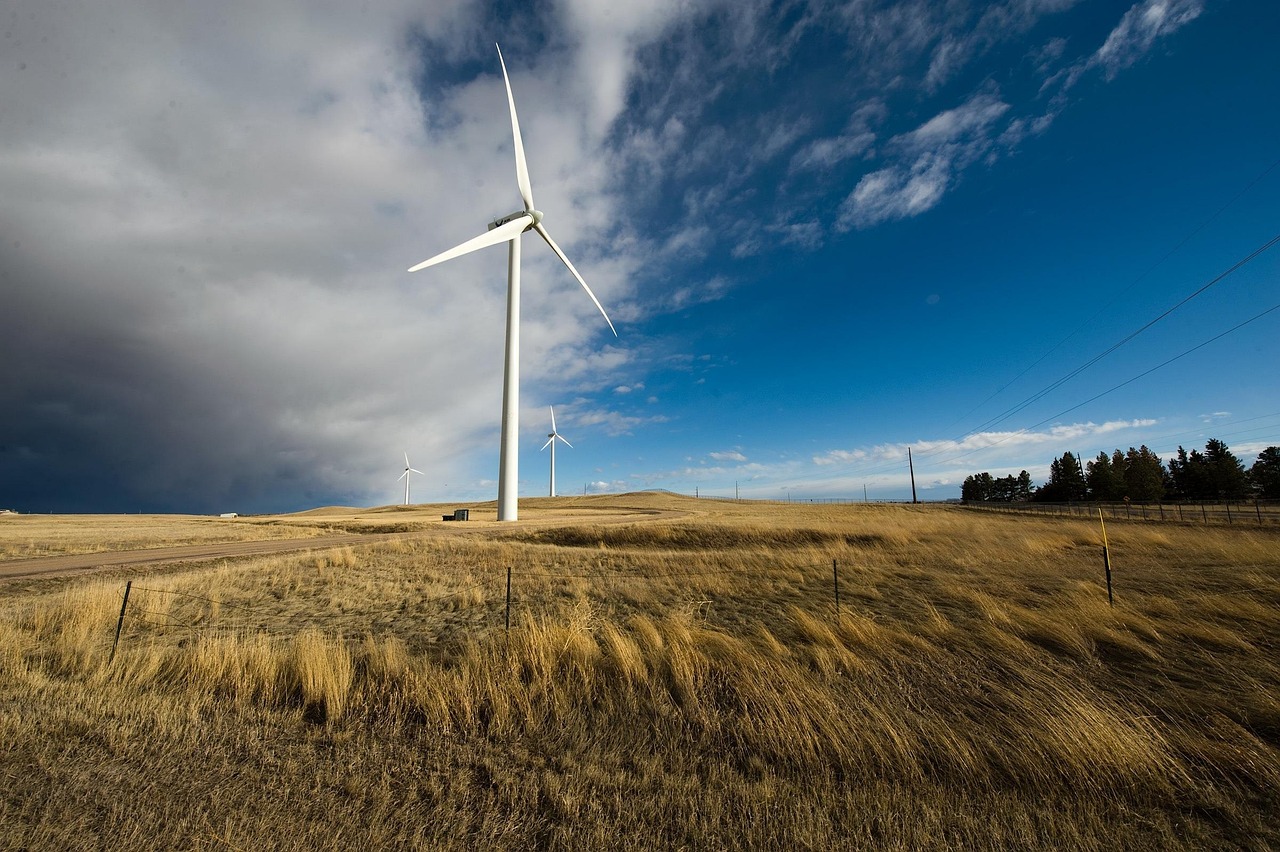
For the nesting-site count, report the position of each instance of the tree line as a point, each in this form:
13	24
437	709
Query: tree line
1138	475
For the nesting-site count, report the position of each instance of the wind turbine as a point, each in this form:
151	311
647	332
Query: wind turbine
508	229
551	442
405	476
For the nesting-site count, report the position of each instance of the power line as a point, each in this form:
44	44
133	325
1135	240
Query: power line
1253	318
1256	180
1095	359
1165	363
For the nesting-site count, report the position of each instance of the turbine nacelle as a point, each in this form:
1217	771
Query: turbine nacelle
535	215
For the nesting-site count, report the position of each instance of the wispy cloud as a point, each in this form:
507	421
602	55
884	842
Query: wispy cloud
1139	30
930	157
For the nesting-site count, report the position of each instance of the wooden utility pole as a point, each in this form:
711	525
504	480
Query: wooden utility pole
912	466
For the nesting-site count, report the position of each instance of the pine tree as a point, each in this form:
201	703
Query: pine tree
1265	473
1106	483
1226	473
1143	475
1022	490
977	488
1190	476
1066	481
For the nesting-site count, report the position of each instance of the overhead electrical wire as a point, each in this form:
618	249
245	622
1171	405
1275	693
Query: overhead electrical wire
1096	358
1256	180
1165	363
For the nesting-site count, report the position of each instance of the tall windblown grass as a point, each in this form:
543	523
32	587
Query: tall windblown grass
682	683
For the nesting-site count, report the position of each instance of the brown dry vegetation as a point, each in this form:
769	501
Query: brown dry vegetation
27	536
679	682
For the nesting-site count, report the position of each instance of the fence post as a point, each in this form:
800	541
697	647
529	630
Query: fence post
507	625
1161	507
835	576
120	621
1257	508
1106	559
1204	515
1229	513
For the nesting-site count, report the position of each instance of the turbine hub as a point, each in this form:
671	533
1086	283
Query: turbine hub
537	216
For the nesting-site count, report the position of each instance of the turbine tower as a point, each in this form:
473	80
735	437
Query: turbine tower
405	476
551	442
508	229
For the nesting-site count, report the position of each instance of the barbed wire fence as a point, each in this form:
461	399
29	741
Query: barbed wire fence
1205	512
147	607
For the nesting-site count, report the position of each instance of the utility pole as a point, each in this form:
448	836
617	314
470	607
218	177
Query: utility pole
735	489
913	476
864	492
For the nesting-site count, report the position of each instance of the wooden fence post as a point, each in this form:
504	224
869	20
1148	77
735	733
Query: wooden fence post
120	621
508	619
1106	559
835	575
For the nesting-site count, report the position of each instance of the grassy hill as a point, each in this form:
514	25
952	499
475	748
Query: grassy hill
676	675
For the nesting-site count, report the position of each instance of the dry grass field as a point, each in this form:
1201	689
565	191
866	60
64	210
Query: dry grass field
675	675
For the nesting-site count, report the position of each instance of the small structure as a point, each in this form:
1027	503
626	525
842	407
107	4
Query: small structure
229	515
458	515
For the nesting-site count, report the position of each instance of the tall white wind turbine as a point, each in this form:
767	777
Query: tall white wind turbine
508	229
405	476
551	442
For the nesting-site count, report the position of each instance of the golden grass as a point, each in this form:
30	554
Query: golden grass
684	682
29	536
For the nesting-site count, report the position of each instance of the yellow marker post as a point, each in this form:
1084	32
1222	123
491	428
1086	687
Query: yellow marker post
1106	557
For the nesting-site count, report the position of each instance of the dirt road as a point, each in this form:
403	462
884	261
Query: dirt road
83	563
78	563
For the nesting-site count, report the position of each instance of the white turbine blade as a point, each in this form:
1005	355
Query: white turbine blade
562	438
500	234
406	460
402	476
537	226
415	470
522	169
547	444
553	418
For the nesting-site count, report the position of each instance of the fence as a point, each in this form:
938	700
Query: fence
146	609
1224	512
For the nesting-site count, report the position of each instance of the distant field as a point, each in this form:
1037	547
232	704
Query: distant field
676	675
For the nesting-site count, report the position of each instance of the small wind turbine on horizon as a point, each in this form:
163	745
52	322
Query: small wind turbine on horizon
405	476
509	229
551	442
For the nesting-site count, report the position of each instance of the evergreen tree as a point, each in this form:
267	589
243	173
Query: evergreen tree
1066	481
978	488
1106	483
1022	489
1265	473
1226	473
1186	473
1143	475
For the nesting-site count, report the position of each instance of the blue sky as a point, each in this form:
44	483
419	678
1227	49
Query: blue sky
825	233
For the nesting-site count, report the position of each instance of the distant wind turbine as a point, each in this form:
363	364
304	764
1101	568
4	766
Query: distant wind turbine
551	442
405	476
508	229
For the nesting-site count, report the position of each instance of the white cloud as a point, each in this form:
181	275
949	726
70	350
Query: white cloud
929	160
731	455
822	154
1139	29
